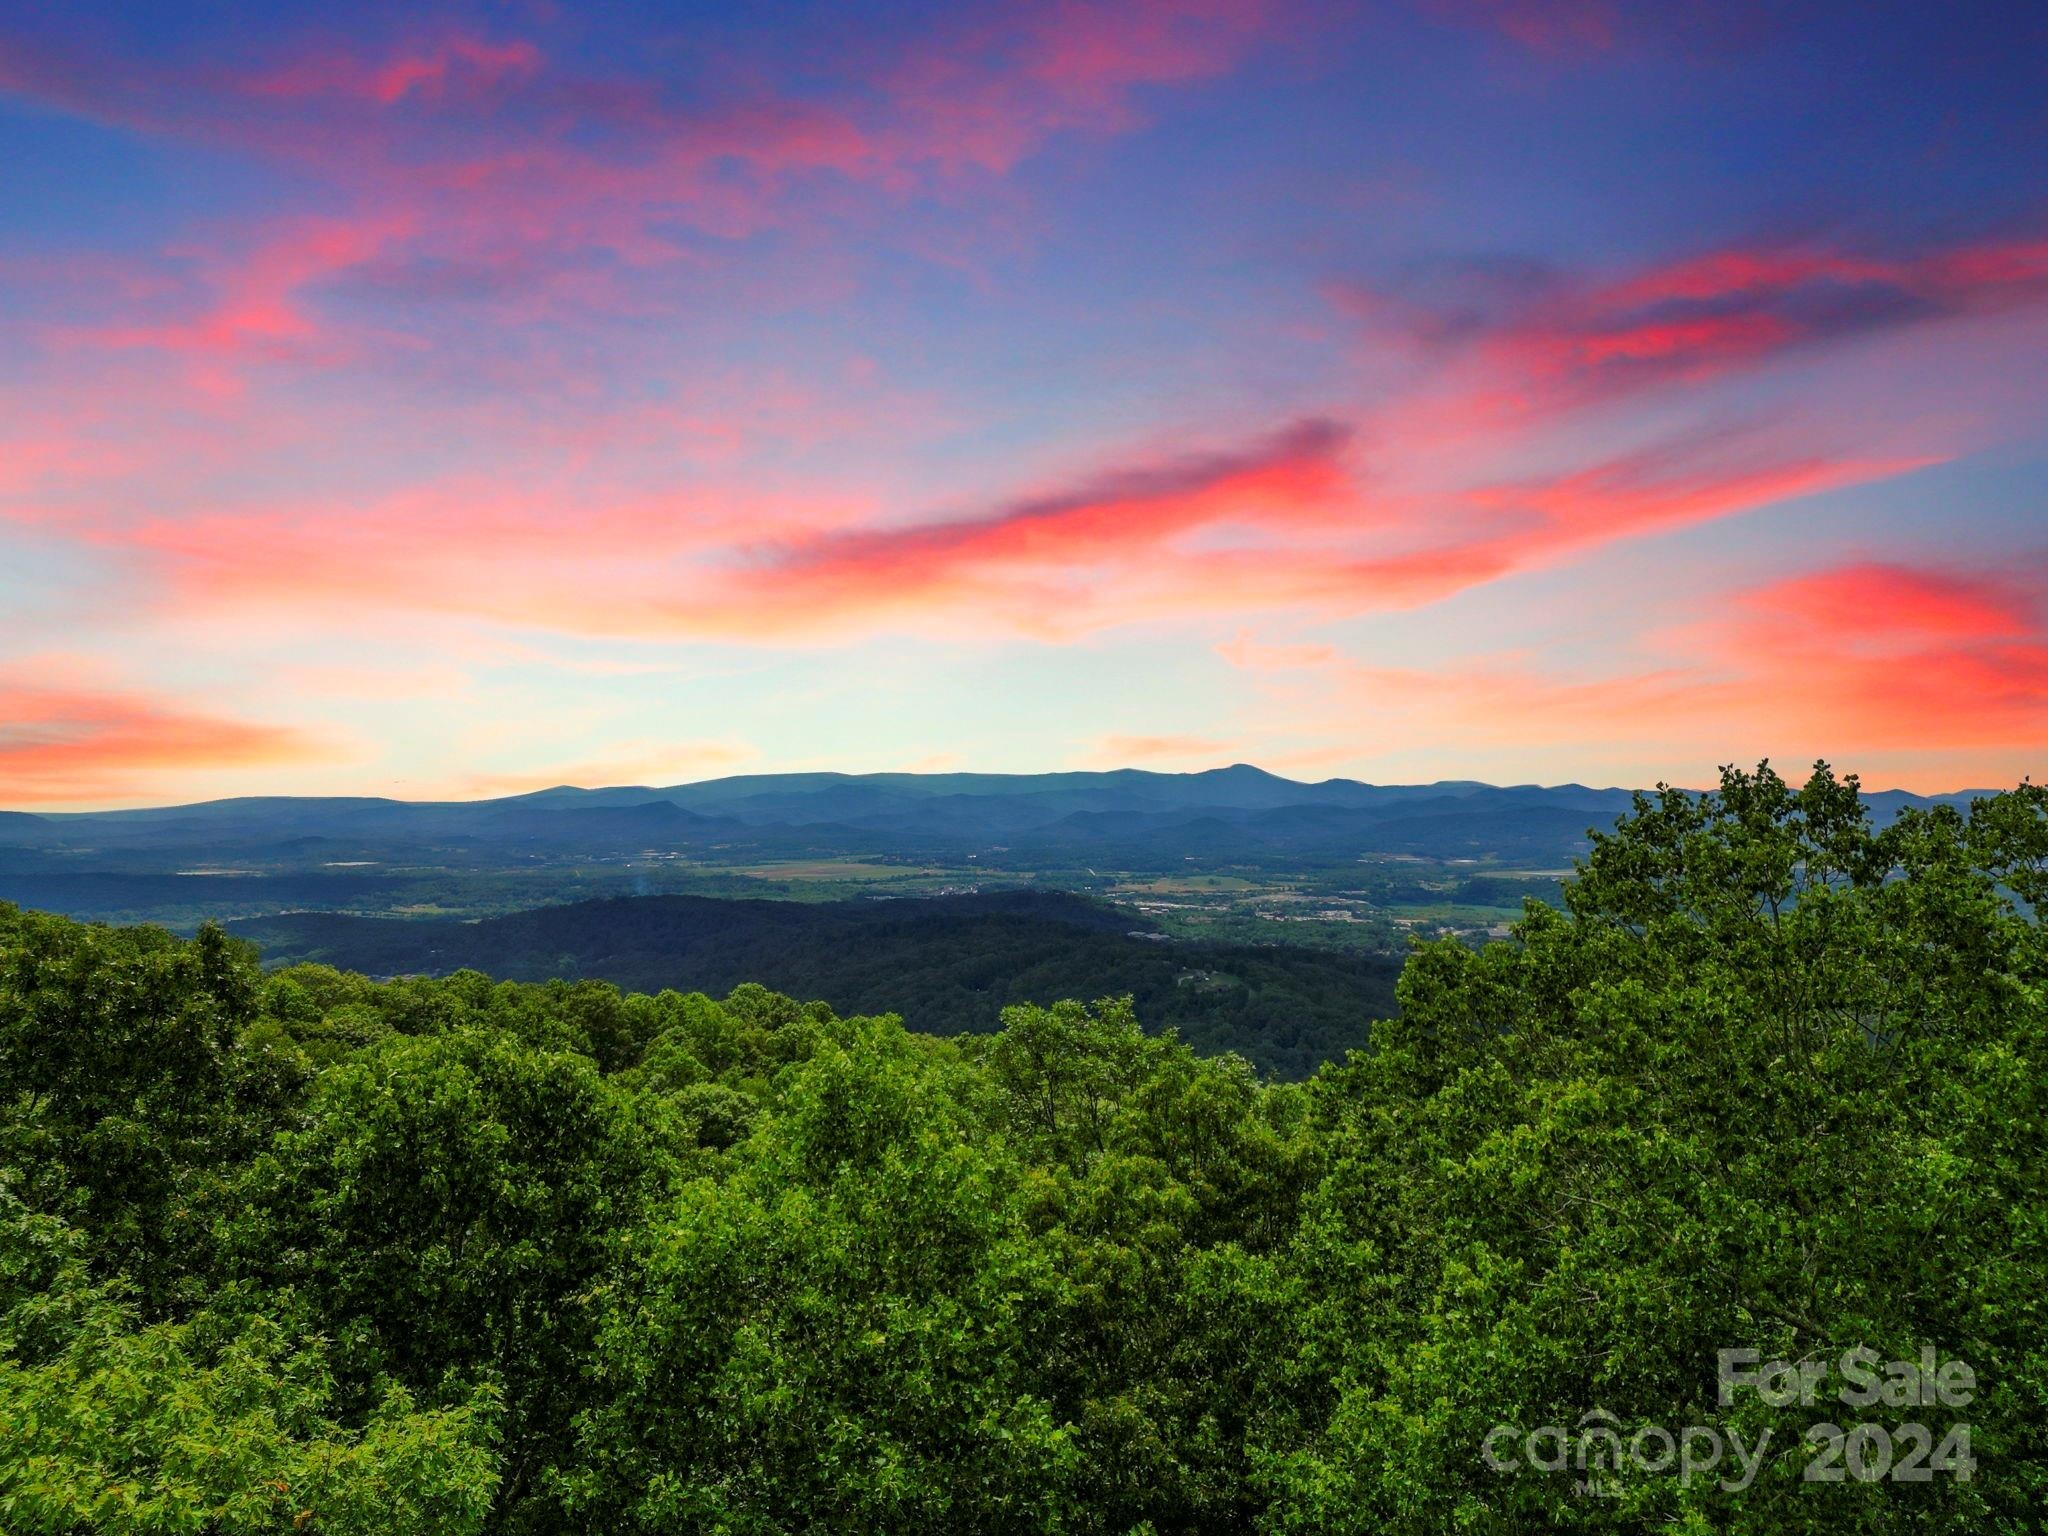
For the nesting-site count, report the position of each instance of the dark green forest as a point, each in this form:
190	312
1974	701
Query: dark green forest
943	964
296	1251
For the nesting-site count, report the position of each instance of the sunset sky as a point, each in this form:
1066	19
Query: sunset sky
443	401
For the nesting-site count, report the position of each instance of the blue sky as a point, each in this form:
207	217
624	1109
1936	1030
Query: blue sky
454	399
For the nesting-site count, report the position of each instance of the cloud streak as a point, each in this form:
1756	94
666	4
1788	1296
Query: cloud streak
1515	341
1283	523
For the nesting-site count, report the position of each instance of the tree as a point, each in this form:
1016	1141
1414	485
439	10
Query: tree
1772	1080
444	1213
216	1424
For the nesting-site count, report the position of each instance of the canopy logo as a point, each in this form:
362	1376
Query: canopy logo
1601	1451
1596	1449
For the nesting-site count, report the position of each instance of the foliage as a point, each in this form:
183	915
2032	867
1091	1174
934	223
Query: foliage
306	1251
942	965
216	1424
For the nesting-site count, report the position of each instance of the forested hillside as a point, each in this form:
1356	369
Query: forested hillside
942	964
300	1251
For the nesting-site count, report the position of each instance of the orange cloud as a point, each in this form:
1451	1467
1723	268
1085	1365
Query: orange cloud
64	745
1892	657
1882	667
1145	749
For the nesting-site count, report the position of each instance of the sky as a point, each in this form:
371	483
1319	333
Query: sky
447	400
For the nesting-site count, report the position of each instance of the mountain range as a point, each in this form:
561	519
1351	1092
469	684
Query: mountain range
1240	812
265	855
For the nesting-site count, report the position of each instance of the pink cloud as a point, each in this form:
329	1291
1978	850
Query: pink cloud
456	64
1121	751
1293	481
1500	531
510	161
1244	651
349	680
1281	524
1652	493
990	91
1128	551
1874	607
1525	350
725	564
542	555
254	309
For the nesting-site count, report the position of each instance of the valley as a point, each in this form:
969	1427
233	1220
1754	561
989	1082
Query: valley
1233	855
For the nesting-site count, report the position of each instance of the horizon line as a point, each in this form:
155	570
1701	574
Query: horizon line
1968	791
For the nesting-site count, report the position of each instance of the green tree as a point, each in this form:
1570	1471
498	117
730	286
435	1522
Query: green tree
216	1424
1772	1080
831	1338
443	1215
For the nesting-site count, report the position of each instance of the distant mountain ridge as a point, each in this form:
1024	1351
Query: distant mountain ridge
1241	785
1240	814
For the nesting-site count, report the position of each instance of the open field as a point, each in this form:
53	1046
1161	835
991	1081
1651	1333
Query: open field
1368	907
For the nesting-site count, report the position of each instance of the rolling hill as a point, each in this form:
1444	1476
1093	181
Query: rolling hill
945	964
